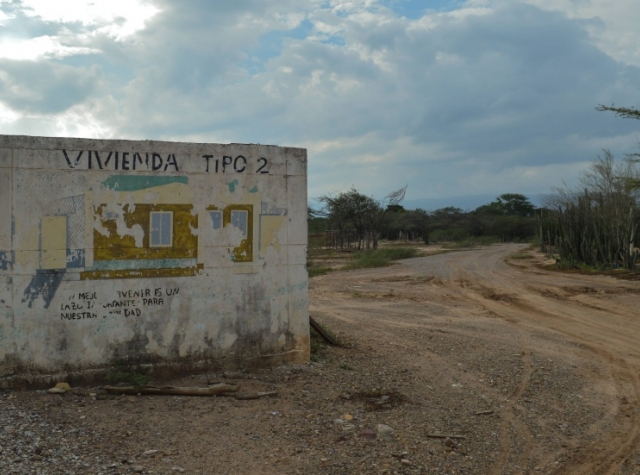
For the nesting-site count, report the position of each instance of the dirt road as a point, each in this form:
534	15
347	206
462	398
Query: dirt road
570	397
528	371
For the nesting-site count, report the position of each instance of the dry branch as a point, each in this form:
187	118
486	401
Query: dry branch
216	390
445	436
248	396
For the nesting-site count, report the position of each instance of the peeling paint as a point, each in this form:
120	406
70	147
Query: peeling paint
136	183
165	263
232	185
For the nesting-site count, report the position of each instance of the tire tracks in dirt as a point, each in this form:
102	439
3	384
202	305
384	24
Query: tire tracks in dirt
531	301
605	455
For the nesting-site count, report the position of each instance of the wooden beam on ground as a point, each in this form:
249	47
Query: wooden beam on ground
325	336
215	390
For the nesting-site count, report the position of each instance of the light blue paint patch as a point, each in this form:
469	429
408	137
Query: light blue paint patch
44	284
291	288
253	190
136	183
75	258
6	260
138	264
232	185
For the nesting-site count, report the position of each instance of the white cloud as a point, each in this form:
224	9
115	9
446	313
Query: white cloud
116	18
40	47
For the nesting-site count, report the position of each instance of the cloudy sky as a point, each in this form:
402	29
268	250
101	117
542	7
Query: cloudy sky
459	100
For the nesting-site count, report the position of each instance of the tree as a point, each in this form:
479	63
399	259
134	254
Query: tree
624	112
417	222
510	216
512	204
365	215
450	223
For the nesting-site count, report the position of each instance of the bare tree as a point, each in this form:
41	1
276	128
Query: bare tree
364	214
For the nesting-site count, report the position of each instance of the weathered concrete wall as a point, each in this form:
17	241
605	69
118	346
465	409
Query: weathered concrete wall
167	253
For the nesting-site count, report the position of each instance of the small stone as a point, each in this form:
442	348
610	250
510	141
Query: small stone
368	434
138	469
348	427
385	433
36	458
405	462
149	453
232	375
338	423
177	469
60	388
347	417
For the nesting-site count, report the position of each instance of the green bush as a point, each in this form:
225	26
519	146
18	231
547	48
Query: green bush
128	374
380	257
316	271
471	242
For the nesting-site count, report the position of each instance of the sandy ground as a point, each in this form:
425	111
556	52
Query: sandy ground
529	371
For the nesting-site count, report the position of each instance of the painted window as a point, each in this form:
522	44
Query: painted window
239	219
161	229
216	219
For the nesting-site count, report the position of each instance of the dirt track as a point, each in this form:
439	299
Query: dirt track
532	371
588	327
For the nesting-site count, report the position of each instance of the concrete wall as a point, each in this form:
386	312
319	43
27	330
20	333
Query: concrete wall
177	254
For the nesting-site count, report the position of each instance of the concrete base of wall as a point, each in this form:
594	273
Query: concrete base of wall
162	370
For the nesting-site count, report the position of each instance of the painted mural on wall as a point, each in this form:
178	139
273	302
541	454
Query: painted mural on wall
141	233
148	222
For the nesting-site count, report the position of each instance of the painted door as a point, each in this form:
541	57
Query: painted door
54	242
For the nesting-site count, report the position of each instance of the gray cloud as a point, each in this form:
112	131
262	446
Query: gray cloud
45	87
451	104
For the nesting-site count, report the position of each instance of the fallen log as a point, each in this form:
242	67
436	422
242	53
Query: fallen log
216	390
321	332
